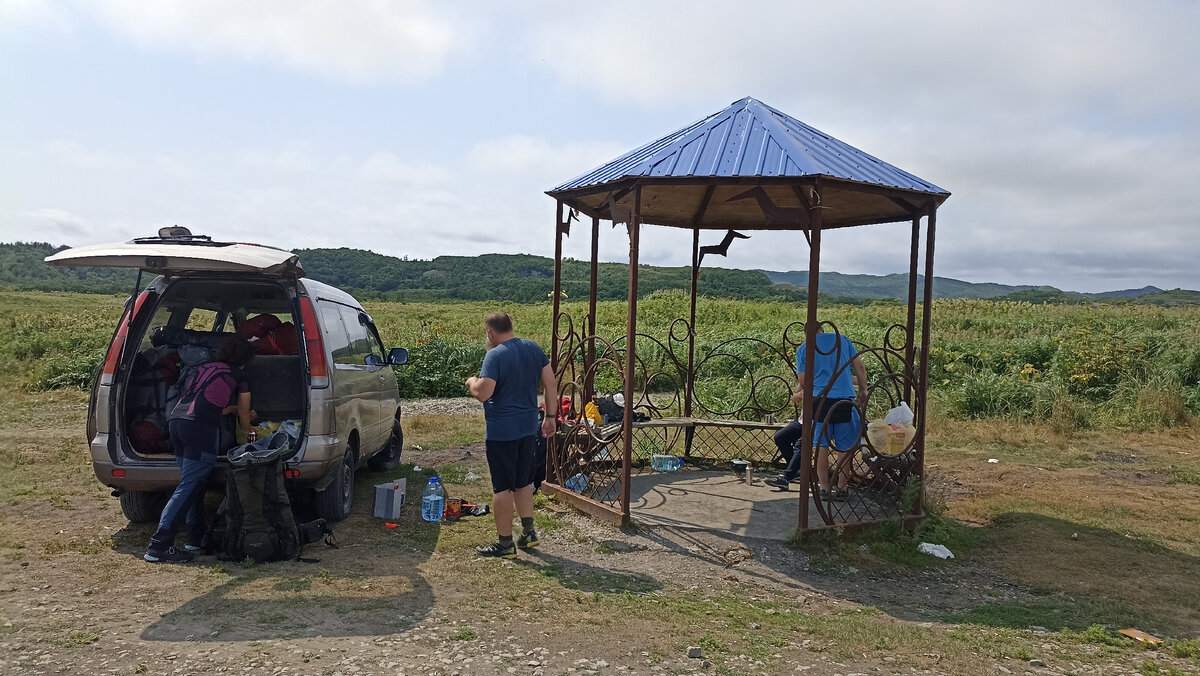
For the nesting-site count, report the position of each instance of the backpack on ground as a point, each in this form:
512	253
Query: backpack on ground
257	514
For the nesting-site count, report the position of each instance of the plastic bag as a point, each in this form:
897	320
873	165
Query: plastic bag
890	439
900	415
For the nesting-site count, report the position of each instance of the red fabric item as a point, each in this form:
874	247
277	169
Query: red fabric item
147	437
258	327
285	339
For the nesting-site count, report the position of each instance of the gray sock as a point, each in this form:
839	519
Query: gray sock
506	540
527	524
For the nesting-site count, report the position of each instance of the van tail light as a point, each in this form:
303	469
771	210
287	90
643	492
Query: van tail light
313	345
113	357
118	473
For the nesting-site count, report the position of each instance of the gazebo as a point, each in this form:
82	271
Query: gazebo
748	167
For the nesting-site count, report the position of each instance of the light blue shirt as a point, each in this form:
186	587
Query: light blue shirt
833	352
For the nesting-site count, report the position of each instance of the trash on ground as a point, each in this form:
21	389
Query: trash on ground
1139	635
900	415
993	460
416	468
471	476
389	524
939	551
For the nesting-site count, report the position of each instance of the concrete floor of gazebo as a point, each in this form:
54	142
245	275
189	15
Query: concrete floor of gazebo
720	500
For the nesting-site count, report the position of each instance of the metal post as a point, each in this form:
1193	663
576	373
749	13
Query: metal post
590	353
926	314
910	347
635	226
552	407
810	344
690	385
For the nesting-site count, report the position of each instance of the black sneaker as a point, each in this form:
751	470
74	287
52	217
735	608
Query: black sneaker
528	540
497	550
839	494
777	482
171	555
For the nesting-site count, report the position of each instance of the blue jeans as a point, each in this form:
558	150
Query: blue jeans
187	502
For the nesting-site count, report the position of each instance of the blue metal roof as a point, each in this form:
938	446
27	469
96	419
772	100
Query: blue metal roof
750	139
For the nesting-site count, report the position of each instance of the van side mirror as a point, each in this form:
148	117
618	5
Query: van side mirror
373	360
398	356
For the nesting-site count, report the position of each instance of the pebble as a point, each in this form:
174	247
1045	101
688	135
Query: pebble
1036	663
694	652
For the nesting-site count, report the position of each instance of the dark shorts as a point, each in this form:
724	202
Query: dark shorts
511	463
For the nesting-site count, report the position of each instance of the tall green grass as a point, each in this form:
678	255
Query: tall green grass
1073	365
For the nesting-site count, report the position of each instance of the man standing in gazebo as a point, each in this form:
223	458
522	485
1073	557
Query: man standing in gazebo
837	368
507	385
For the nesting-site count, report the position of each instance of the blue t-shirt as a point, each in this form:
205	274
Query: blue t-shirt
516	366
829	357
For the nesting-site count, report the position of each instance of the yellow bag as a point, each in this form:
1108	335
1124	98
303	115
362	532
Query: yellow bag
263	429
890	439
592	412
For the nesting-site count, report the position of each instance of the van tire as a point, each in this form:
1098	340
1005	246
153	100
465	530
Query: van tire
389	456
333	503
143	506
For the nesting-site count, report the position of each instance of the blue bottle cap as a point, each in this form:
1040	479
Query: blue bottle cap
435	479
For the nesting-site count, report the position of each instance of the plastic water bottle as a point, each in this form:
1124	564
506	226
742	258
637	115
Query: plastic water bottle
577	483
433	500
665	463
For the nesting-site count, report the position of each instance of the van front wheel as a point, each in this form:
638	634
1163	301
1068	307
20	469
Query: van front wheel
389	456
333	503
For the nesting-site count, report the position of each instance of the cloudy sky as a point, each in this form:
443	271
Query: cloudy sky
1068	132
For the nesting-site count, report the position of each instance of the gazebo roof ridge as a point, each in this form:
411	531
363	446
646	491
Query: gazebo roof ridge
750	139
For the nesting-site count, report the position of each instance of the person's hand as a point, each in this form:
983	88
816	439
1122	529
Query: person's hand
861	399
549	427
469	381
798	397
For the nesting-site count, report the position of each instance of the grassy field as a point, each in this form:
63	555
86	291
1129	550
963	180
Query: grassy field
1074	366
1079	529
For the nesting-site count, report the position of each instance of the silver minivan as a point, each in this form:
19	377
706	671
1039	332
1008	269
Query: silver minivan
322	367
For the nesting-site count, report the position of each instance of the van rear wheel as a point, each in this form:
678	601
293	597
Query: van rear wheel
388	457
143	506
333	503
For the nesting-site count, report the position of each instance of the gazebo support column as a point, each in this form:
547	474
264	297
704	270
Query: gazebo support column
590	351
635	227
926	315
689	392
910	346
810	345
552	407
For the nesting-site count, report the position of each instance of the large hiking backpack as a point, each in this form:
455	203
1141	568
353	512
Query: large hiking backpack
257	514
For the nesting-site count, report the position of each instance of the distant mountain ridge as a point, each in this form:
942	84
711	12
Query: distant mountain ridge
524	278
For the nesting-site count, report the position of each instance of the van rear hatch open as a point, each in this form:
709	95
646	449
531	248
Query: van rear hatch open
181	254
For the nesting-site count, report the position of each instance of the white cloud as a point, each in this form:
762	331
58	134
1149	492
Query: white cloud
353	40
26	14
386	167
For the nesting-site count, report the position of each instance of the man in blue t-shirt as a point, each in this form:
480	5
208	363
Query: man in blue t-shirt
836	422
508	385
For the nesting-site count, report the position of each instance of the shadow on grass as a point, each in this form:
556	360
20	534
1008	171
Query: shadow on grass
370	585
1021	571
587	578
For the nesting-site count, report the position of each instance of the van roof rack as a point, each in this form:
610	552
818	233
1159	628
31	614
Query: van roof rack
177	234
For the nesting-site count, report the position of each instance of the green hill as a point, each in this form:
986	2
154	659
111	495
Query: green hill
524	278
891	286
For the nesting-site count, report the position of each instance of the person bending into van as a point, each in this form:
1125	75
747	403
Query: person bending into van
837	368
217	389
507	385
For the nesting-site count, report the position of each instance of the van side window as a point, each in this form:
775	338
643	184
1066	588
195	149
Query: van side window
360	341
335	333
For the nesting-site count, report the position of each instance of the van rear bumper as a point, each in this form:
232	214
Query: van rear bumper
316	463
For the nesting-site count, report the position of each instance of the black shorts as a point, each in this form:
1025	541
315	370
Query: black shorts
511	463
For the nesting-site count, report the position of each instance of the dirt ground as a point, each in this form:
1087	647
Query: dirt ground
75	596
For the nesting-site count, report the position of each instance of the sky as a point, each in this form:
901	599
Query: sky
1067	132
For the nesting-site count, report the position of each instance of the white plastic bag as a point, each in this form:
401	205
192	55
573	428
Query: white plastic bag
900	415
939	551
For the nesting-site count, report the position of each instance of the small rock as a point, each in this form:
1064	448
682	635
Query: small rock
1036	663
694	652
706	664
1039	629
1074	536
755	625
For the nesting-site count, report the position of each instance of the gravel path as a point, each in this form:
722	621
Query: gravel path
442	406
